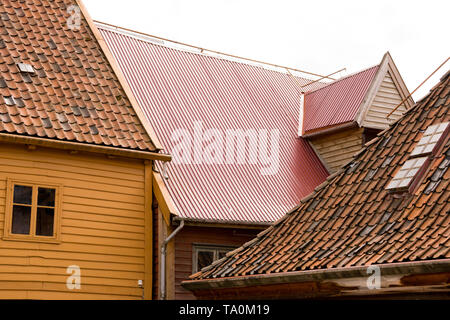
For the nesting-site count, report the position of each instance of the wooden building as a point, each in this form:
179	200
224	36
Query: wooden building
376	228
340	118
216	206
78	193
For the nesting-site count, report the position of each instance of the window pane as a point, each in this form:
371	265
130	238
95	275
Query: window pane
204	258
46	197
22	194
222	253
44	221
21	220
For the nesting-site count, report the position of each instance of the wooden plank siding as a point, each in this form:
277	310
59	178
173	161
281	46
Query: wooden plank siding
102	227
386	99
336	149
191	235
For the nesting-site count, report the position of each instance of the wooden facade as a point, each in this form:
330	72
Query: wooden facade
336	149
102	227
387	97
191	236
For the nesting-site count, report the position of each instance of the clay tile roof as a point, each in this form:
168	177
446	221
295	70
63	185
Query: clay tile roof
57	83
352	219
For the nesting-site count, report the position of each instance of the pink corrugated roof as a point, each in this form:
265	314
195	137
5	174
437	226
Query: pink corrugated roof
337	102
177	88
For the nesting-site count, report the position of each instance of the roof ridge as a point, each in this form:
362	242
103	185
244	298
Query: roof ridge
146	38
343	78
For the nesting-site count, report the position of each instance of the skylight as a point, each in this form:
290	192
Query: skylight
410	173
406	173
429	139
25	67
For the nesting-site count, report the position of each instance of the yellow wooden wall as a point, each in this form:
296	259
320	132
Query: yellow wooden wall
336	149
102	227
386	99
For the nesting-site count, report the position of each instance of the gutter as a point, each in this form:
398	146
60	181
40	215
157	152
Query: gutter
163	259
69	145
399	269
223	223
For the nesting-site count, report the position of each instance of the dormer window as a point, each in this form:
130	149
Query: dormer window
406	174
412	171
429	139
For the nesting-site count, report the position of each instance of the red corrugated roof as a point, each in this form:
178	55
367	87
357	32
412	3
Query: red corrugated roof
338	102
176	88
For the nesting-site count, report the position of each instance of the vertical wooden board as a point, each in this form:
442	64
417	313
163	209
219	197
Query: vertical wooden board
148	281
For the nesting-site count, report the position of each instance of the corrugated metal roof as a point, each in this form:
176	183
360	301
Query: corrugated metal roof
176	89
337	102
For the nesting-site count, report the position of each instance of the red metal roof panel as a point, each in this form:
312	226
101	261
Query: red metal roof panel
179	89
338	102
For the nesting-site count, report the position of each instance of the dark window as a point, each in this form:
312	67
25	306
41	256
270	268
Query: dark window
204	258
22	194
21	219
28	207
205	255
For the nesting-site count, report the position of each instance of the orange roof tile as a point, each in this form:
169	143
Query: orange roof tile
72	92
353	220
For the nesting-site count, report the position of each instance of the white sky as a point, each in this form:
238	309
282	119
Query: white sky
317	36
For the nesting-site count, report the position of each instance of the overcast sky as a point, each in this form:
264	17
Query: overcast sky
317	36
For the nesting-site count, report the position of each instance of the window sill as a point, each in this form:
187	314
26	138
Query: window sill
52	240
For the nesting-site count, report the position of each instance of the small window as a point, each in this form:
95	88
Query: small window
25	67
429	139
32	211
204	255
406	174
413	170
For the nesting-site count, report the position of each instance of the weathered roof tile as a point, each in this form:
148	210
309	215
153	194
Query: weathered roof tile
68	67
362	223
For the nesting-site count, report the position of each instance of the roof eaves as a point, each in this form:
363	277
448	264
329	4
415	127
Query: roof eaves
399	269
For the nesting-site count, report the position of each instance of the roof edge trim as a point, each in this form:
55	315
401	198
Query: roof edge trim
69	145
399	268
120	76
330	129
221	223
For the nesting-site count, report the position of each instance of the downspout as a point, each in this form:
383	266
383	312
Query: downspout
163	259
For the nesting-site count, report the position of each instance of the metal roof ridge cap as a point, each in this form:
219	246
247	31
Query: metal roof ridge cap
222	56
343	78
396	268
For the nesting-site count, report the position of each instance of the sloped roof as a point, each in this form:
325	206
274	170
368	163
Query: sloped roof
73	94
351	219
337	102
179	88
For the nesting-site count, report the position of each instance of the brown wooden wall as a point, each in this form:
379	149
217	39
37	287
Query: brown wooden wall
336	149
102	227
191	235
